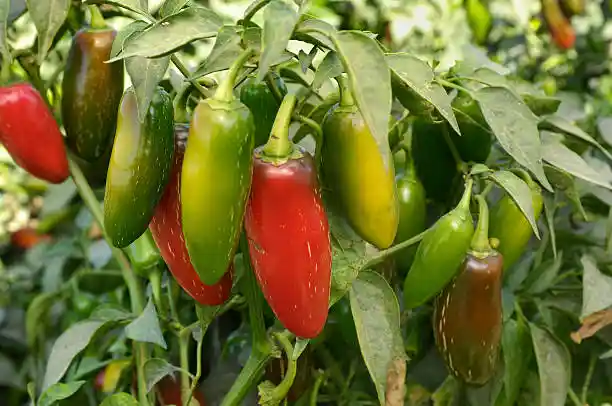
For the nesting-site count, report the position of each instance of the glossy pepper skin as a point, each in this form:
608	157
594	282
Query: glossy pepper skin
167	232
91	93
559	26
30	133
144	255
509	225
468	312
474	143
360	178
258	97
440	253
140	167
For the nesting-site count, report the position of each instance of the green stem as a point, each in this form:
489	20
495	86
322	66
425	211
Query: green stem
180	103
587	380
225	92
480	241
395	135
156	288
184	339
487	189
185	72
315	389
249	375
574	397
523	174
451	145
346	97
273	88
173	292
408	164
97	20
253	298
382	255
312	124
279	145
252	11
446	83
5	70
281	390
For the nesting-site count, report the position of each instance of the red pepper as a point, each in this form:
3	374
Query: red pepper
167	232
30	133
288	231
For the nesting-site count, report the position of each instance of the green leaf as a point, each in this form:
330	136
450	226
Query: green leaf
5	8
172	33
224	52
417	77
330	67
310	30
170	7
515	127
137	6
37	313
563	125
146	328
100	281
48	16
564	158
541	105
279	22
132	28
554	366
146	74
67	347
596	288
59	391
515	341
299	347
120	399
363	60
306	59
549	213
377	321
566	183
543	276
255	6
520	193
155	369
110	312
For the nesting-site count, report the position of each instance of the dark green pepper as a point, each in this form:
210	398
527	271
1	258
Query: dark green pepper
259	98
509	225
144	255
140	167
91	91
468	313
216	179
412	210
474	143
440	253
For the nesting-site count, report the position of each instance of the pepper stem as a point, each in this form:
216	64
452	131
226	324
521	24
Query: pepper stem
480	240
97	20
464	203
279	145
346	97
225	92
408	163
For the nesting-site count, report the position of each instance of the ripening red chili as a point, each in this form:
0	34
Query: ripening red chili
288	231
30	133
167	232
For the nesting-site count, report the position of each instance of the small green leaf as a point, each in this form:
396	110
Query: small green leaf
37	313
59	391
520	193
133	28
146	328
224	52
554	366
562	124
279	22
146	74
170	7
306	59
363	60
543	276
48	16
330	67
155	369
299	347
515	341
377	320
596	288
120	399
515	127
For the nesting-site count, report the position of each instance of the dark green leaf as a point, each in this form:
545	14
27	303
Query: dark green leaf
554	366
363	60
377	321
418	76
132	28
562	124
224	52
5	7
99	282
543	276
48	16
541	105
146	74
330	67
146	328
310	30
67	347
172	32
596	288
549	213
37	313
520	193
515	127
306	59
155	369
59	391
120	399
564	182
170	7
515	344
110	312
279	22
564	158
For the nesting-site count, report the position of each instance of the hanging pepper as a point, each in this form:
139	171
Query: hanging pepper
91	90
359	176
559	26
468	312
167	232
216	178
139	168
30	133
440	253
509	225
288	231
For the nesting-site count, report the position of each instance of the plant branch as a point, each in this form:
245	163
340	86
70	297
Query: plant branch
382	255
185	72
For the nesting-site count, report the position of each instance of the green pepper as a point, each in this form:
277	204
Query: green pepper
140	166
440	253
474	143
509	225
260	99
359	177
216	179
433	159
144	255
468	312
573	7
91	90
479	19
412	213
